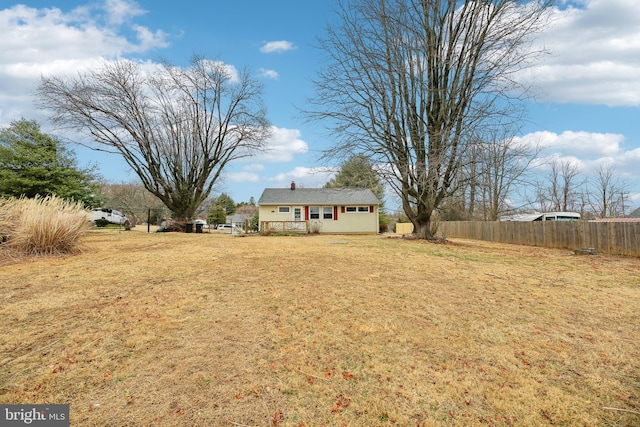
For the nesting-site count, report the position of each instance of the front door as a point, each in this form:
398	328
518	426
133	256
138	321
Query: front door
297	213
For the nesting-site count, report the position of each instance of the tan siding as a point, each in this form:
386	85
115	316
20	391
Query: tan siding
346	223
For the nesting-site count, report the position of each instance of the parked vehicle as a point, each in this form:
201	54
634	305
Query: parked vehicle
548	216
225	227
112	216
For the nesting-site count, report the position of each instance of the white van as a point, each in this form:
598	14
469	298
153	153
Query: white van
548	216
111	215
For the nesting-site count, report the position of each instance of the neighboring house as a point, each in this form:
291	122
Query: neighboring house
322	210
238	220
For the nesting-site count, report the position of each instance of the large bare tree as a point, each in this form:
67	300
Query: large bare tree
175	127
407	82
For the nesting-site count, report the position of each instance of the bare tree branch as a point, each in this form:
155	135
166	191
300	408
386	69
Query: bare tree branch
408	82
175	127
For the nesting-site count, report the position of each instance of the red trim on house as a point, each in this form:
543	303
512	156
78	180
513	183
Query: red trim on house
306	213
371	209
342	208
335	213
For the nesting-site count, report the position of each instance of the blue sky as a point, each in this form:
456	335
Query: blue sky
587	107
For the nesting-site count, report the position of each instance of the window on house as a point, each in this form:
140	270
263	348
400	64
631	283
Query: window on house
314	212
283	209
327	212
354	209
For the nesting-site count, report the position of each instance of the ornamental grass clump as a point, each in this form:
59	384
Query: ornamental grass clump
42	225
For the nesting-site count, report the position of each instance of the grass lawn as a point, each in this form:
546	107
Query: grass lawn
173	329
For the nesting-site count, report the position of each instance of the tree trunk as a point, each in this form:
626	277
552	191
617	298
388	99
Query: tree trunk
177	128
422	230
409	82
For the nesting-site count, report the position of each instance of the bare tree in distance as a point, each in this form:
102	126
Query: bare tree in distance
501	162
563	185
132	199
177	128
561	189
407	82
607	193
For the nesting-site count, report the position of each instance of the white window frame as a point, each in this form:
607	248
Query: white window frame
357	209
284	209
327	212
313	215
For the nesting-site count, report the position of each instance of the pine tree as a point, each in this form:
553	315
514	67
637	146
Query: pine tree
359	172
33	163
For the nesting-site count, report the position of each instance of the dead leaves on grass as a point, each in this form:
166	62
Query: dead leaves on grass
277	418
341	402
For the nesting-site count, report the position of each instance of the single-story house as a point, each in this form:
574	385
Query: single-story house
238	220
319	210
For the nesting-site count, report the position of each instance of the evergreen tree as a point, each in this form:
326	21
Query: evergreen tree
33	163
227	203
359	172
216	215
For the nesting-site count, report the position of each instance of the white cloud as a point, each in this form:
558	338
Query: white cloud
51	41
247	174
283	145
269	74
147	39
277	46
585	150
254	167
627	164
41	35
594	54
581	144
544	162
305	177
229	70
121	11
242	177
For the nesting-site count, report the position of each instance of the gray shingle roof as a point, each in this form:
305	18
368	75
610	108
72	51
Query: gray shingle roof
317	196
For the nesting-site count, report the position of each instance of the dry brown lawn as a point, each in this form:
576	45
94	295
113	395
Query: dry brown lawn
174	329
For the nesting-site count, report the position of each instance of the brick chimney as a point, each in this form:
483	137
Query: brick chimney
293	185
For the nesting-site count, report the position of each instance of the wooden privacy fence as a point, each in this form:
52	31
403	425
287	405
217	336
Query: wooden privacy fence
615	238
